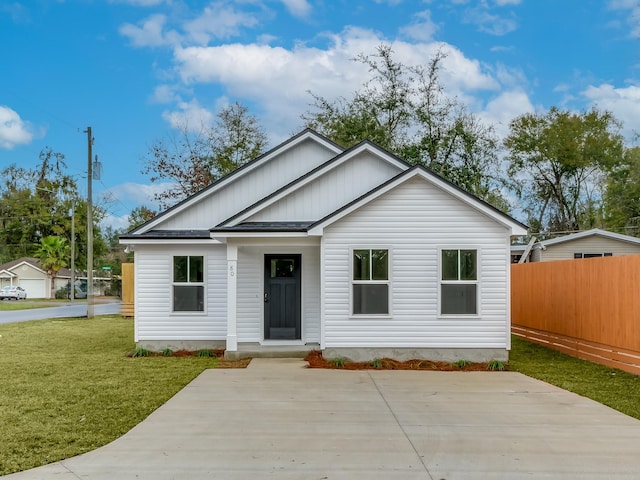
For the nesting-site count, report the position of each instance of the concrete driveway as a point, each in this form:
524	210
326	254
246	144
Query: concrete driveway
279	420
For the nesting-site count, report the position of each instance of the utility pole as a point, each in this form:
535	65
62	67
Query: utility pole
73	251
89	224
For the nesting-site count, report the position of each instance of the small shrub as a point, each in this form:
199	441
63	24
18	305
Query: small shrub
495	365
338	362
462	363
376	363
141	352
205	353
167	352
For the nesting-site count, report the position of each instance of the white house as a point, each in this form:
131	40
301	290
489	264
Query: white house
353	252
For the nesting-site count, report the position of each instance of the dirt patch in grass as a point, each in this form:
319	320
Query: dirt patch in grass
316	360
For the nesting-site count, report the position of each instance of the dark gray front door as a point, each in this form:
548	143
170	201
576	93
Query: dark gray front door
282	297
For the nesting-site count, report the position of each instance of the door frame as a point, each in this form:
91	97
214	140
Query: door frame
297	257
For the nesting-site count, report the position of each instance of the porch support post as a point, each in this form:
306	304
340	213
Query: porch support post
232	281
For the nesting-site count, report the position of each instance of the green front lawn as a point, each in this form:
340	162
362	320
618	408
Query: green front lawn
615	388
11	305
67	387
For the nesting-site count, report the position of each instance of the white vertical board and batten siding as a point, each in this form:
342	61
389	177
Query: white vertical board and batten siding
416	220
331	191
251	290
153	284
247	189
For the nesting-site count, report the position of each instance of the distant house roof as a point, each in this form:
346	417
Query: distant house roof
589	233
34	262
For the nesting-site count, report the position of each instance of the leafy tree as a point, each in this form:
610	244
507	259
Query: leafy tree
558	162
191	162
405	110
53	254
36	203
140	215
622	195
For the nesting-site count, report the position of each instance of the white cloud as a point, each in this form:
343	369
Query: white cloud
190	116
492	24
278	79
13	130
633	17
624	103
150	32
298	8
503	108
134	194
218	21
422	29
502	3
141	3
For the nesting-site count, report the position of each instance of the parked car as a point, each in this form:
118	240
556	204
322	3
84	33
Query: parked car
13	292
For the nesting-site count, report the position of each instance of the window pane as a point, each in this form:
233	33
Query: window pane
282	267
188	298
450	265
196	269
361	265
458	299
468	261
370	299
380	264
180	269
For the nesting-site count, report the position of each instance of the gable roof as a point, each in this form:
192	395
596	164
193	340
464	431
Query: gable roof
430	176
242	170
363	146
316	228
34	263
588	233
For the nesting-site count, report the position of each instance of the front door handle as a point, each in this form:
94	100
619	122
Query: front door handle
266	297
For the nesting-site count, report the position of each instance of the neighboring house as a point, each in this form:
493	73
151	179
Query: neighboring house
587	244
28	273
353	252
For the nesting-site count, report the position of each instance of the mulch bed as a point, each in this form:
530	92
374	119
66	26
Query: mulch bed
316	360
219	354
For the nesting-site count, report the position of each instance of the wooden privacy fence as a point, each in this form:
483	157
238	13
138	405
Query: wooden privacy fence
588	308
127	290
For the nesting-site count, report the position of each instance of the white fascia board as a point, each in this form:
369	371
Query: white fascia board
8	272
197	197
233	235
515	228
168	241
330	165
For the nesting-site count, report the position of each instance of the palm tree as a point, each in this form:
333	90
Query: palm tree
53	254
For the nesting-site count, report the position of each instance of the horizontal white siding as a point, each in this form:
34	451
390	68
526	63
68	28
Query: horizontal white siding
591	244
251	291
331	191
248	189
153	293
414	221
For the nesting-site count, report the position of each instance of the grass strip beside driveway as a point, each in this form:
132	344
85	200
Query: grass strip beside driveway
67	387
609	386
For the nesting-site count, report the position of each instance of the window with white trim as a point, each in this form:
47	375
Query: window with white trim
370	282
188	283
459	282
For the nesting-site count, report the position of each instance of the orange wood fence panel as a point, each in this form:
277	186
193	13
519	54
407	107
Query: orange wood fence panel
594	302
127	290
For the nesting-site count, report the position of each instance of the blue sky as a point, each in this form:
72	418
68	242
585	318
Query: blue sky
135	70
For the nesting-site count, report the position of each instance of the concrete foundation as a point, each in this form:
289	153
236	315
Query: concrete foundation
175	345
257	350
435	354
